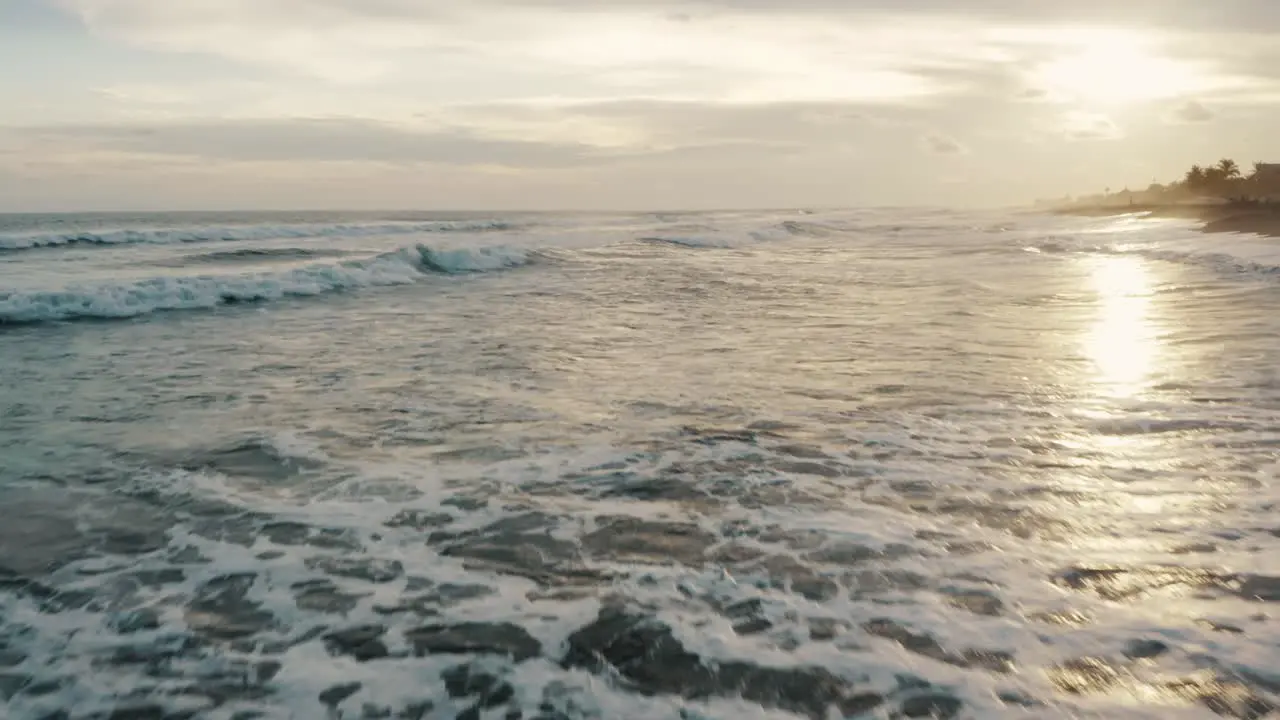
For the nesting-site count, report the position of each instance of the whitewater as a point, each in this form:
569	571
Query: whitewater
873	464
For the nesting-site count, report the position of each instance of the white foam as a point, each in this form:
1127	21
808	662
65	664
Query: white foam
293	446
1171	240
166	236
680	594
141	297
472	259
44	294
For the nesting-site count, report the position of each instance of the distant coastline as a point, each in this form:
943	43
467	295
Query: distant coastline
1222	217
1219	196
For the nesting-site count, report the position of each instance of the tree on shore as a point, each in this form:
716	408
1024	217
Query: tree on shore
1222	179
1195	178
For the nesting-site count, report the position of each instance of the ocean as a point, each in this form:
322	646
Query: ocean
880	463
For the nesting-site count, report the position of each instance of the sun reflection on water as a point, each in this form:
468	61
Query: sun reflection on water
1123	343
1124	346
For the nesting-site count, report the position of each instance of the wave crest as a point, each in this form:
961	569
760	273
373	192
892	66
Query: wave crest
687	242
708	236
808	229
254	255
167	236
142	297
471	260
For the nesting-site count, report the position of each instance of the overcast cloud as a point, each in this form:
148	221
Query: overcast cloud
622	103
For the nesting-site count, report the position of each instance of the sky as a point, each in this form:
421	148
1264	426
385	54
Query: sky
622	104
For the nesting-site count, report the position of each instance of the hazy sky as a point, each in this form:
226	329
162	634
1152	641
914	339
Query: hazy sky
195	104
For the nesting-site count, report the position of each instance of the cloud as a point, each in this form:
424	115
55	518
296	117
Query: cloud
1251	15
1081	125
645	91
1229	14
313	140
942	145
697	156
726	51
1192	112
527	136
710	50
673	124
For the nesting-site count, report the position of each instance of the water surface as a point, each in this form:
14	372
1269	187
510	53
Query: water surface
871	464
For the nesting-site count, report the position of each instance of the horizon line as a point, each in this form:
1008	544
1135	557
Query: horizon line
544	211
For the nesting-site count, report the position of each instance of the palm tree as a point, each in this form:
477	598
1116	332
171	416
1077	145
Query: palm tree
1195	177
1229	168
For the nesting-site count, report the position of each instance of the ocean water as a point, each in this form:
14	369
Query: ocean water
855	464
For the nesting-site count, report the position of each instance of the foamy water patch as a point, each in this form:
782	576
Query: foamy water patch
472	260
262	603
1174	241
167	236
1225	253
737	235
728	572
142	297
185	293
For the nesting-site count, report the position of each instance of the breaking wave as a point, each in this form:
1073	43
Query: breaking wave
254	255
142	297
1231	255
808	229
467	260
688	242
691	235
166	236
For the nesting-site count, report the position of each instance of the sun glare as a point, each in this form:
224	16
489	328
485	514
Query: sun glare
1109	68
1123	343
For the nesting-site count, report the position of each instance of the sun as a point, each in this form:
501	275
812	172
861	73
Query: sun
1107	68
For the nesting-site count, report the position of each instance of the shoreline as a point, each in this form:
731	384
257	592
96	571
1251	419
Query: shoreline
1222	218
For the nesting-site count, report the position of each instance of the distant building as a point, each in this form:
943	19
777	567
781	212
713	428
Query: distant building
1268	172
1266	182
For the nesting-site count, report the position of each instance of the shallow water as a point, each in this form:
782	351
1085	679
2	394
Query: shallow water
871	464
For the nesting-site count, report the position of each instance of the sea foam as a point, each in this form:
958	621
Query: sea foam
165	236
185	292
